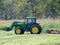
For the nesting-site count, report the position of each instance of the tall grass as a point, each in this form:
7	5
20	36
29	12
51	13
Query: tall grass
49	24
46	24
4	24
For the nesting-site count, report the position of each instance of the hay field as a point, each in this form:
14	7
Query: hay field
9	38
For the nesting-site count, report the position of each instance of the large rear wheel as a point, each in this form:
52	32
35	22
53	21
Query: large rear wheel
36	29
19	30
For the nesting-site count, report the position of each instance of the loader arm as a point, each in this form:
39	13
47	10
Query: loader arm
9	28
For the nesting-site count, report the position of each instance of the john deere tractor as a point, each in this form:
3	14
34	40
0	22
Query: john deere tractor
29	25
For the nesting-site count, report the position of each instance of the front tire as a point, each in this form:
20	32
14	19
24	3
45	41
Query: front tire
19	30
36	29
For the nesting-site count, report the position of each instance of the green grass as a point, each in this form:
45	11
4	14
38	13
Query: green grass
50	26
9	38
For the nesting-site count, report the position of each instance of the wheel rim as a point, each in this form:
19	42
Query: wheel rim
18	31
35	29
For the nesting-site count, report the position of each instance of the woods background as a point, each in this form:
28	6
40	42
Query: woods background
18	9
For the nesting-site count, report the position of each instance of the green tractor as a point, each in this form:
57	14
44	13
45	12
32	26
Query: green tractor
29	25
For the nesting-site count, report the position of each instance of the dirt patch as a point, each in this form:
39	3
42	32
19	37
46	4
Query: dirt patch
38	20
22	20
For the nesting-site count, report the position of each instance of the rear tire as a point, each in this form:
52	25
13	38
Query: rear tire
36	29
19	30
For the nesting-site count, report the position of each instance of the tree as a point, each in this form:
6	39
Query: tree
14	9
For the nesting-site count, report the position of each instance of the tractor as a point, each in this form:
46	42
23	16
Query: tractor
29	25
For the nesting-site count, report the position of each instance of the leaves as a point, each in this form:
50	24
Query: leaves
14	9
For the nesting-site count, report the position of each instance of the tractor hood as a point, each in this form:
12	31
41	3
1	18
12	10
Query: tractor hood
19	23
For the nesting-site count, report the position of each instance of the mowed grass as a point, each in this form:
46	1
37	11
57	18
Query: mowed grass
9	38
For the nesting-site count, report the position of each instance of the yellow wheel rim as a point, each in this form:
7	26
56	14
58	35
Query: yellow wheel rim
18	31
35	29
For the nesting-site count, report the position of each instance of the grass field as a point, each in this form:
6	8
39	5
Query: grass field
9	38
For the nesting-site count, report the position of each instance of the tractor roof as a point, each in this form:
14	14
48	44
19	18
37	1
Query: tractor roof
31	17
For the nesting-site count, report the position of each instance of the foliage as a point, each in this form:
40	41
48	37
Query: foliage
14	9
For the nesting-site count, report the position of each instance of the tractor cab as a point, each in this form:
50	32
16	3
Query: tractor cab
30	19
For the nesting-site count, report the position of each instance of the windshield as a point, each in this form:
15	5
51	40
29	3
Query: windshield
31	20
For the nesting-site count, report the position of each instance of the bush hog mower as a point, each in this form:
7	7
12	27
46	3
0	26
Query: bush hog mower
53	31
29	25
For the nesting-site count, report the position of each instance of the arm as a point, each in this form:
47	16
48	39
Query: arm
10	27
